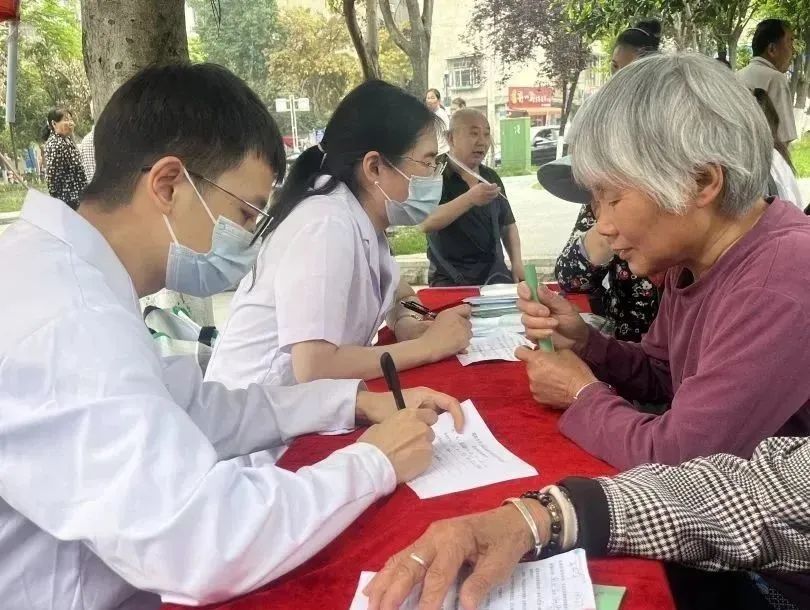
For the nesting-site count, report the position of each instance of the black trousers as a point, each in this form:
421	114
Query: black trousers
699	590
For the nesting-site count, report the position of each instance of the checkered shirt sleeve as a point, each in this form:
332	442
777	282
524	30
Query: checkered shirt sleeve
87	153
717	513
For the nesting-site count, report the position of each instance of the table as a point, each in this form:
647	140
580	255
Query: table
500	392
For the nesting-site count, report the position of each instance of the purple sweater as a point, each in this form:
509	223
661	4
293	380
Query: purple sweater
731	352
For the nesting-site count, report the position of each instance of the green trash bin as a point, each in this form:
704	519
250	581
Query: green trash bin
516	151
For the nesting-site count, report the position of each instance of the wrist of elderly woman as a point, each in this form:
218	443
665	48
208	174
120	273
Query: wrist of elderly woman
550	522
519	526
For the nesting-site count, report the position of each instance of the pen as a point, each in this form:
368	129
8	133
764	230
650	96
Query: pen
478	177
531	280
419	308
389	370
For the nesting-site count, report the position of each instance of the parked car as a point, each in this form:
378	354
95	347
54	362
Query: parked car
550	132
543	151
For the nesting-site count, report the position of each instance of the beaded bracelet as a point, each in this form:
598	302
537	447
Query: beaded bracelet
555	513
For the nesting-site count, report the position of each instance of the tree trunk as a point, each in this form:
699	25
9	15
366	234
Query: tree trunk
796	74
804	80
373	37
120	37
419	63
568	102
731	43
417	46
367	50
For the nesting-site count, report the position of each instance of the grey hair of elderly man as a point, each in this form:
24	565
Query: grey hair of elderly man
467	116
660	121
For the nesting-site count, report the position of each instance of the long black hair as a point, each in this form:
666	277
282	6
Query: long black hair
54	116
644	37
375	116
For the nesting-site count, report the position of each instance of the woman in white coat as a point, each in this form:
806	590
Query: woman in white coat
325	279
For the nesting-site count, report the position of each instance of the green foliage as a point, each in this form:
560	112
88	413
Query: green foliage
317	62
241	40
12	195
800	155
50	71
744	56
408	240
507	172
395	66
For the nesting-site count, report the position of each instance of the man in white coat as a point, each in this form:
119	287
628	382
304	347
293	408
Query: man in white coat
773	51
116	488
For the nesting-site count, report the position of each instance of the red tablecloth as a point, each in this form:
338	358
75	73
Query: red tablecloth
500	392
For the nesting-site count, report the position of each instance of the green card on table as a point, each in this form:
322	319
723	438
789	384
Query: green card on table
608	597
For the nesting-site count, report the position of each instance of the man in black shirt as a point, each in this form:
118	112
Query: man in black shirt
473	218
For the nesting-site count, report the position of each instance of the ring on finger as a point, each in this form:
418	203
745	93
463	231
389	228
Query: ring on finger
418	560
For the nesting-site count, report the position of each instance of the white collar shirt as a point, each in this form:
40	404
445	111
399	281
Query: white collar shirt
115	485
325	274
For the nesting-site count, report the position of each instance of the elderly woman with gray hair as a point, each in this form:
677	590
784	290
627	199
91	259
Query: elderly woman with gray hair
677	154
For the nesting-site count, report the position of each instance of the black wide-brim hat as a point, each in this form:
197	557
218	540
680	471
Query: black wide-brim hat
557	178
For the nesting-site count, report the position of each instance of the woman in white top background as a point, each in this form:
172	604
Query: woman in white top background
325	279
433	100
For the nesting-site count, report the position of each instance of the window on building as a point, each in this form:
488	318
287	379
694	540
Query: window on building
465	72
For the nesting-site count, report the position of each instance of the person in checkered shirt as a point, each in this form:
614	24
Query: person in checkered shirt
715	513
87	155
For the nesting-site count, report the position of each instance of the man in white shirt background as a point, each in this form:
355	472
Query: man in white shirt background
116	487
773	50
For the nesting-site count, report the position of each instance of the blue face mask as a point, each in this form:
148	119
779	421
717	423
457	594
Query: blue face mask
424	194
205	274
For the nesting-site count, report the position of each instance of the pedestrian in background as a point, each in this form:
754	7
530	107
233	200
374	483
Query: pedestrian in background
433	100
63	168
773	50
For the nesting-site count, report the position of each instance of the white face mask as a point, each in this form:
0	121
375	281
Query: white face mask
205	274
424	194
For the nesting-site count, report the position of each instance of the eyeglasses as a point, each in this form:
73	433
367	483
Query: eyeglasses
252	206
437	166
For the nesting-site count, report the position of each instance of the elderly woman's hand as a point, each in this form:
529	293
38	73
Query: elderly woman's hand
553	317
555	378
493	542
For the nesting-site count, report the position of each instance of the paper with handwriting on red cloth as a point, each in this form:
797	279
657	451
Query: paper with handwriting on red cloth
473	458
561	582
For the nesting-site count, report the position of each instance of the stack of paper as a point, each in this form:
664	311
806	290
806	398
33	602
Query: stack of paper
561	582
499	290
483	327
468	460
499	345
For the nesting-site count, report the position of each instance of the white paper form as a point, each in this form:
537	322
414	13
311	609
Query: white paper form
468	460
497	346
561	582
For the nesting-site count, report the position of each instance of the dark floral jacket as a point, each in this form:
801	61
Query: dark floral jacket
631	302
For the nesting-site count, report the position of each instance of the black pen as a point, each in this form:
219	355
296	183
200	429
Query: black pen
389	370
419	308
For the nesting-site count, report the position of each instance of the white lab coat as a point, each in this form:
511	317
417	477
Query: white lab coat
113	484
325	274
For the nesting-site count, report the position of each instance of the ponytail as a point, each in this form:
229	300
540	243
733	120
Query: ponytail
47	131
360	124
298	185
